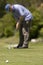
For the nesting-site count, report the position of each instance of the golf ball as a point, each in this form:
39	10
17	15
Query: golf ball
7	61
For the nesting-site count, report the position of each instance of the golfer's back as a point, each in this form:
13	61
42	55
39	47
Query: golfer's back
21	11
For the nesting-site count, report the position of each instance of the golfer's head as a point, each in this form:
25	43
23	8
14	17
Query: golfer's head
8	7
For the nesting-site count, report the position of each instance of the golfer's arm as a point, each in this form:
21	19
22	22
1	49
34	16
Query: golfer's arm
19	22
20	19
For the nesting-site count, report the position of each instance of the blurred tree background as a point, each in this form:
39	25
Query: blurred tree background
7	22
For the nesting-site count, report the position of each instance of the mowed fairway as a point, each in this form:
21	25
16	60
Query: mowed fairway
31	56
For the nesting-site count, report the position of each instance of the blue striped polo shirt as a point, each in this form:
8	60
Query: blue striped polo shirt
19	10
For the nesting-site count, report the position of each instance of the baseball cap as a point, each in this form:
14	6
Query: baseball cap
7	7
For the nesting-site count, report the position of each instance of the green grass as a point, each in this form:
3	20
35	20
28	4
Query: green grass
31	56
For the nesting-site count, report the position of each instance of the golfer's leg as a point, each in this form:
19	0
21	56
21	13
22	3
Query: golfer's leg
26	33
21	37
26	38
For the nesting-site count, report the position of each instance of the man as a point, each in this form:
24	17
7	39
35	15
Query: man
23	22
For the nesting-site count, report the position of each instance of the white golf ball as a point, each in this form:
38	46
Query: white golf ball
7	61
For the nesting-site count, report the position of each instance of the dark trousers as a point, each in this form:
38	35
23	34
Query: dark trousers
24	32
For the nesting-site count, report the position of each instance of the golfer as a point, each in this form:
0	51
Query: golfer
23	19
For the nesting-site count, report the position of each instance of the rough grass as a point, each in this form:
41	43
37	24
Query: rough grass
31	56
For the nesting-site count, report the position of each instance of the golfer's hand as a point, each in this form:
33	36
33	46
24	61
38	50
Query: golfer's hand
21	18
17	25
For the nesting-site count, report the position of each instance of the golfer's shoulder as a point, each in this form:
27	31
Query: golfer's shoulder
16	5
